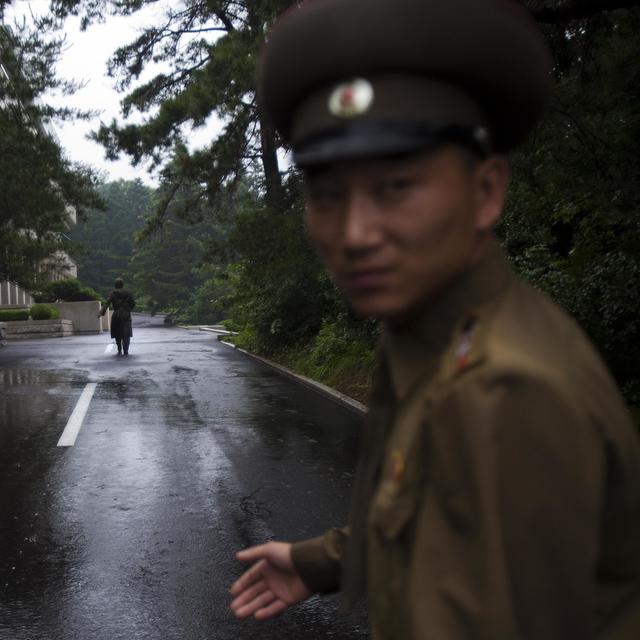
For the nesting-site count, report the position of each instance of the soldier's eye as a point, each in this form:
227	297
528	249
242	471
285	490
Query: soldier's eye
394	187
323	195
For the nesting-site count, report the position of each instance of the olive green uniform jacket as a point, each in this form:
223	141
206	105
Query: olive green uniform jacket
497	495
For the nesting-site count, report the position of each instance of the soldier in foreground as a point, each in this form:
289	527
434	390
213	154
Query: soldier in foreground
497	494
122	302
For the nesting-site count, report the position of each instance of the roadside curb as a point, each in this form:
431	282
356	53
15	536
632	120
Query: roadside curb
320	388
220	332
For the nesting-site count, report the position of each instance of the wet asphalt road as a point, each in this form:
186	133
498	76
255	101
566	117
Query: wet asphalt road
189	450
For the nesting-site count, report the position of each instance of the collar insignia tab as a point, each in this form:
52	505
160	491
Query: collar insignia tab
466	343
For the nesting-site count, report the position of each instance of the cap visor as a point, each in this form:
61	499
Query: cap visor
380	139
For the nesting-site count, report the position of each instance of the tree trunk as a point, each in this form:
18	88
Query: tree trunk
269	153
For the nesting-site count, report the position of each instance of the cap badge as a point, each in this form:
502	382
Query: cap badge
351	99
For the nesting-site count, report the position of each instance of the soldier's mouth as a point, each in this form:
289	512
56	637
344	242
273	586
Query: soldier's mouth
366	279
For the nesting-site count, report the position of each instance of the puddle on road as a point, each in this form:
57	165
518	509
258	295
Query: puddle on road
34	407
30	377
34	403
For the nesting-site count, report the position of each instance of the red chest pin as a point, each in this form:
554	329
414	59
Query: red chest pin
398	467
466	343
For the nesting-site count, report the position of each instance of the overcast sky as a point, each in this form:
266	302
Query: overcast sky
85	59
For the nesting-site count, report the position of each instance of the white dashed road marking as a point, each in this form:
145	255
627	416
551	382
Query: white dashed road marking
70	433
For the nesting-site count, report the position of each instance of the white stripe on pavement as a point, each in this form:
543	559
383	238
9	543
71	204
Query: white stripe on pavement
110	348
70	433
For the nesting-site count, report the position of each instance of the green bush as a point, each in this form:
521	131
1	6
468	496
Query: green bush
339	356
69	290
11	315
337	353
44	312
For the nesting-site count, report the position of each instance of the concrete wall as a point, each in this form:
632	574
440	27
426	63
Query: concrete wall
25	329
84	316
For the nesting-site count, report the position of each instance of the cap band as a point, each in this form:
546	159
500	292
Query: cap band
383	138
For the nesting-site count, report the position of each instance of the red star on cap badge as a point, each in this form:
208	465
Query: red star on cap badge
346	99
351	99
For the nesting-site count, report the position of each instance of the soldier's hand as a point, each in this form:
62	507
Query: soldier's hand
270	586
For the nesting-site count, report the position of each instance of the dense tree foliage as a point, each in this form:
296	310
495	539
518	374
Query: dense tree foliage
168	272
571	225
573	220
211	48
39	186
105	240
165	269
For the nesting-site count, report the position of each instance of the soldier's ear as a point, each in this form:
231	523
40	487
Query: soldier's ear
491	182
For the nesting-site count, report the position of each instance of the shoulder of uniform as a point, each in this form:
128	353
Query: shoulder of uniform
499	334
488	348
522	333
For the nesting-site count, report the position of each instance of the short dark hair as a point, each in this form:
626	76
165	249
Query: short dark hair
119	283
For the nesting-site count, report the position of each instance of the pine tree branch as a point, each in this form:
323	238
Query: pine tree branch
226	21
180	32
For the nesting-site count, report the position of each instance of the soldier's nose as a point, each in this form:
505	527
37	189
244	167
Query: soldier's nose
361	227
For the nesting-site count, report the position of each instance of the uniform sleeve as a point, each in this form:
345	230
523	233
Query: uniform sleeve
105	305
319	560
507	533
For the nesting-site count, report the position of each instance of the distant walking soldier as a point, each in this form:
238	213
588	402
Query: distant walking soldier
122	303
497	495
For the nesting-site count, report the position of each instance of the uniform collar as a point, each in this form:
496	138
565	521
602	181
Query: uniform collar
413	351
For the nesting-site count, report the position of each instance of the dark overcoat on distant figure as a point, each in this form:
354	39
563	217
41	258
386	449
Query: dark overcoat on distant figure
122	302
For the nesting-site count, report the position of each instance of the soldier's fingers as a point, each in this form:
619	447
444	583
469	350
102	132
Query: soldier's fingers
253	553
255	605
248	594
275	608
248	578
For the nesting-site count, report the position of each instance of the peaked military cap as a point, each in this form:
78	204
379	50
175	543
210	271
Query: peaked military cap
356	78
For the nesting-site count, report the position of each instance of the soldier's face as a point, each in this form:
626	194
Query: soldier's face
395	232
